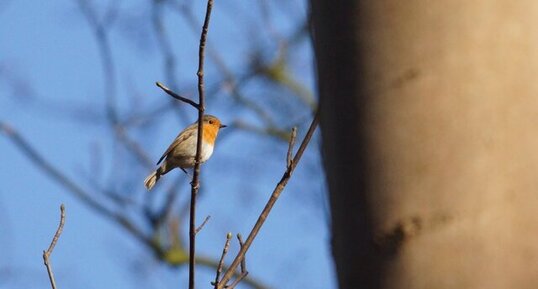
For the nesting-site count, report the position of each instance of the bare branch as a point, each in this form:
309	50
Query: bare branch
244	271
48	252
236	281
203	224
177	96
270	203
212	264
243	262
293	135
221	261
195	184
58	231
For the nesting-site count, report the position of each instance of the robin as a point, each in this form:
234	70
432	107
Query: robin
182	152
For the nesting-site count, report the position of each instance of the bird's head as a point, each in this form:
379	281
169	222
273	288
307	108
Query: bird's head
213	121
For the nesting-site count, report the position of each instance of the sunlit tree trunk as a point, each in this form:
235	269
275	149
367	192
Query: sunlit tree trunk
429	117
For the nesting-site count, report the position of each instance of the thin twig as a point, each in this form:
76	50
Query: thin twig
270	203
177	96
236	281
293	135
48	252
195	184
203	224
221	261
211	264
243	266
243	262
243	272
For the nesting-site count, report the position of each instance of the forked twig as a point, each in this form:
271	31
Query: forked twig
243	272
243	266
270	203
48	252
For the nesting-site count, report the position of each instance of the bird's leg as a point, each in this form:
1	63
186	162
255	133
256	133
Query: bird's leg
187	173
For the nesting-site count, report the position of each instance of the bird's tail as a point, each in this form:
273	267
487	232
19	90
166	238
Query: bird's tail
151	180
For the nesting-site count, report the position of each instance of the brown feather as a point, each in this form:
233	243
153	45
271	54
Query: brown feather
180	137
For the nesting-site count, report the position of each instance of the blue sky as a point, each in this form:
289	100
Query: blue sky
52	93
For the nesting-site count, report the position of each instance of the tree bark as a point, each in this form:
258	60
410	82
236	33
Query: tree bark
429	118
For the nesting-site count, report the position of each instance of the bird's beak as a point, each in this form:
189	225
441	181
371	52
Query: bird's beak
223	126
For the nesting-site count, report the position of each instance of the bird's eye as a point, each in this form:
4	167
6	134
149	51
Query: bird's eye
211	122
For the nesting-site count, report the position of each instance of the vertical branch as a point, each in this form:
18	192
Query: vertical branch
48	252
195	185
227	73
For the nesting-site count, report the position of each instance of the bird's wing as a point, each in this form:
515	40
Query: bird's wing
182	136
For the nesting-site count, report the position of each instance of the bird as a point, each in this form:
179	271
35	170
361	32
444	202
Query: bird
182	152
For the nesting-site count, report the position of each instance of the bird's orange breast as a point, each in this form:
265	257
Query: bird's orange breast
210	133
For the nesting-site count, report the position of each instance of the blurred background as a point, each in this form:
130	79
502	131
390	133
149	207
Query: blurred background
83	124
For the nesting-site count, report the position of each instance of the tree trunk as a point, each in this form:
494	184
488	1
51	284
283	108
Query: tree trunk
429	117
